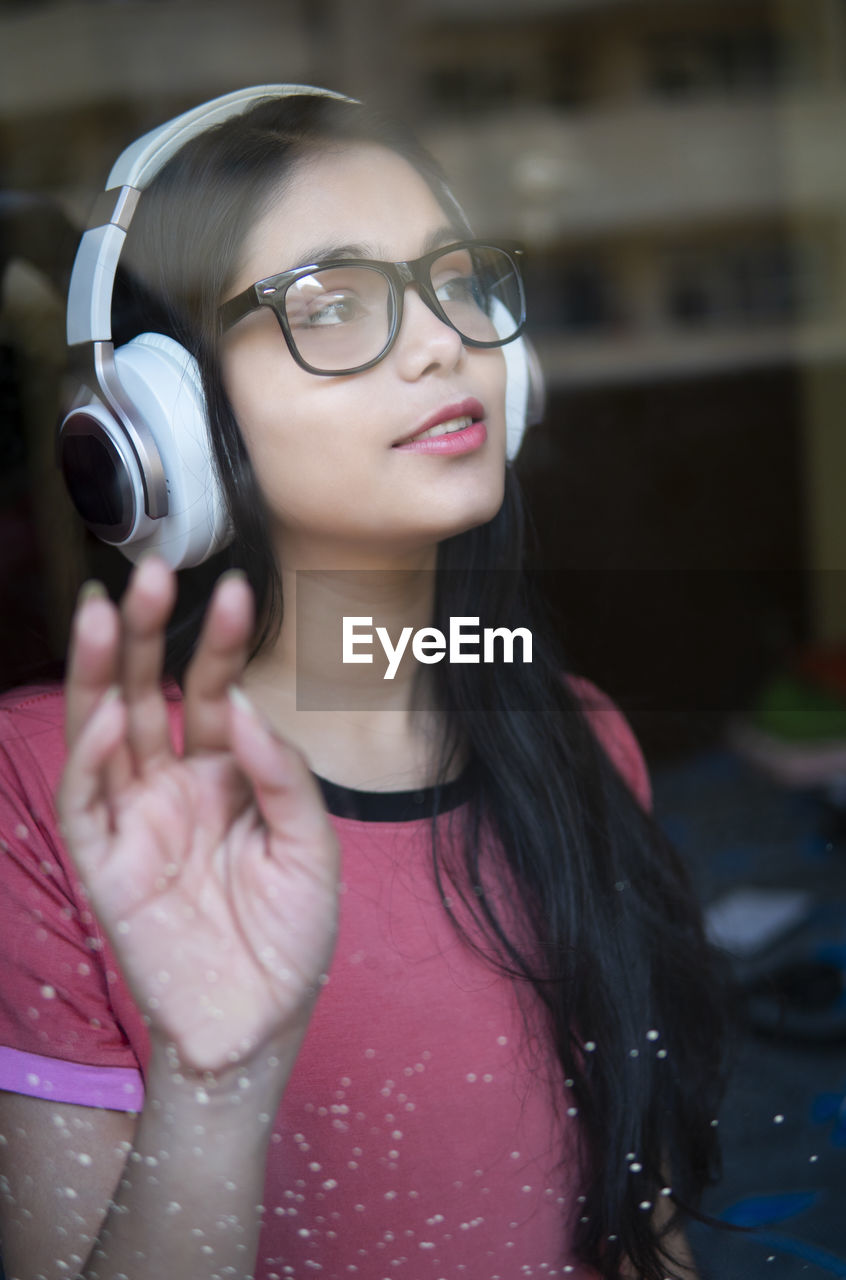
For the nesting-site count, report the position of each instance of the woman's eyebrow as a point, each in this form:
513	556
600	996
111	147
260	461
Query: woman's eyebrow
326	252
443	236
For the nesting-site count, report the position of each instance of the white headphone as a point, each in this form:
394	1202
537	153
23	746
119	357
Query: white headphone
134	448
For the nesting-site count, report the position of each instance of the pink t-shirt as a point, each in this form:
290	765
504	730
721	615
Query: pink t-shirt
418	1136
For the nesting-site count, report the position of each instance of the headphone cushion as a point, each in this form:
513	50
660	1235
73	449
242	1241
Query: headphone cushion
523	381
162	381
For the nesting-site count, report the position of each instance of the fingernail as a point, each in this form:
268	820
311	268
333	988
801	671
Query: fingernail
233	575
148	557
93	589
239	699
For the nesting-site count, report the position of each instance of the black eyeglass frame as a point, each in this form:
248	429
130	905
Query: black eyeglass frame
271	291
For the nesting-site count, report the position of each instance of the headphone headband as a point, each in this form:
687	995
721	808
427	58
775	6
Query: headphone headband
92	282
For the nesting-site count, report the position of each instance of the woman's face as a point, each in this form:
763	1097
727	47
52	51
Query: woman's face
325	449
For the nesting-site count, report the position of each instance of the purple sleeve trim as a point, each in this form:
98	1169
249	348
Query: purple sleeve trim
115	1088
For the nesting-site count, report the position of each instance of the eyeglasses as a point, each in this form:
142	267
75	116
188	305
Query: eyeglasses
343	315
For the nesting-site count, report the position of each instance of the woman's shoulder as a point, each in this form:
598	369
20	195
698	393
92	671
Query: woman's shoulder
615	735
46	698
32	722
32	731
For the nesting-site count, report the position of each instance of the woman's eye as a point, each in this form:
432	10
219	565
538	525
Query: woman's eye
337	309
460	289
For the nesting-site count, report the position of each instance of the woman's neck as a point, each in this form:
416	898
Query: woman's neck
369	724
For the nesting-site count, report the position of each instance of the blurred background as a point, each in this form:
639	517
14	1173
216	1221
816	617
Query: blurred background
677	172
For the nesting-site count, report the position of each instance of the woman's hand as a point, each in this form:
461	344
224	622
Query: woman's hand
214	873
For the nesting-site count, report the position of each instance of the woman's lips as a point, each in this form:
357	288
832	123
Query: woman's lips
463	440
457	428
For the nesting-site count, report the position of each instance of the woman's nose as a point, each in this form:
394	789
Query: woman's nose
425	341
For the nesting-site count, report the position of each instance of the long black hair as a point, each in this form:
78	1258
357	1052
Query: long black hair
608	934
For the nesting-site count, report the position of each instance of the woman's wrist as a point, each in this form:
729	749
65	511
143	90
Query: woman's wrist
252	1084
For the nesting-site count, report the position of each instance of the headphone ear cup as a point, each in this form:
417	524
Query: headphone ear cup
162	381
524	389
516	395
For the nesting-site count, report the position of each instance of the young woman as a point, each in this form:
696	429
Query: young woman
308	971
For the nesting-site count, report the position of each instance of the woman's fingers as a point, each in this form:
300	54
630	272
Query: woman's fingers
83	795
125	648
93	657
287	794
217	664
93	666
145	609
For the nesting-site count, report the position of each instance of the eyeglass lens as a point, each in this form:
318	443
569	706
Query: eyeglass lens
341	317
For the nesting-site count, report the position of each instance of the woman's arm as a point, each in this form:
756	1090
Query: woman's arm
176	1191
46	1148
214	875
